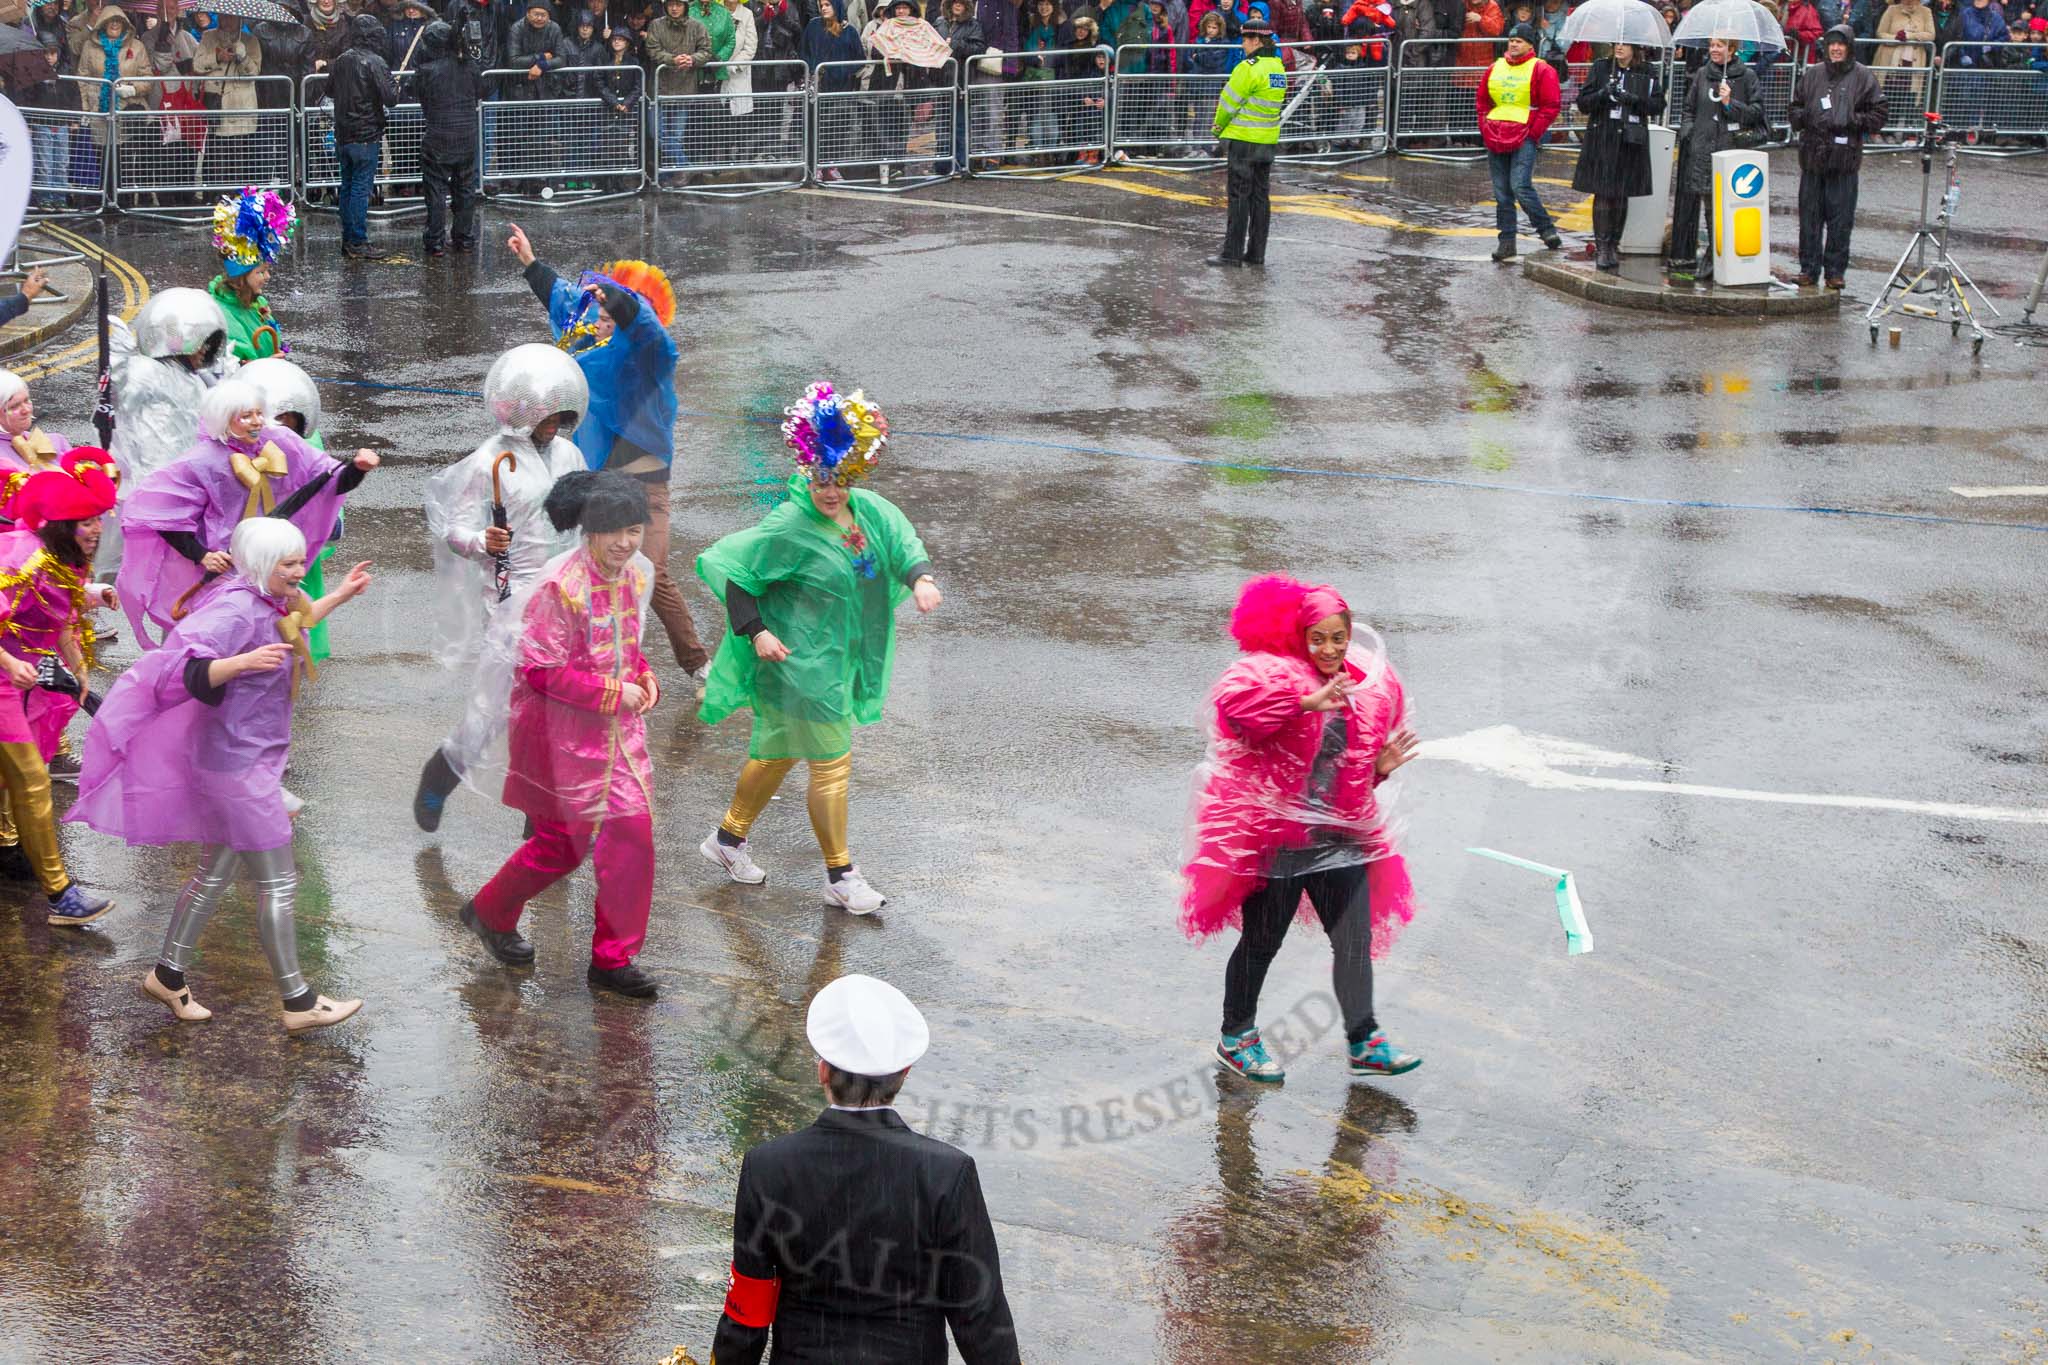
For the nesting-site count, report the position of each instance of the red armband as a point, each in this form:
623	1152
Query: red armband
751	1302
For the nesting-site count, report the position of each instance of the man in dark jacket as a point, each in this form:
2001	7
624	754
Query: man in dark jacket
857	1238
448	87
1837	104
362	89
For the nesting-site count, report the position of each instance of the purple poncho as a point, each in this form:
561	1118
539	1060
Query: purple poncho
198	492
162	767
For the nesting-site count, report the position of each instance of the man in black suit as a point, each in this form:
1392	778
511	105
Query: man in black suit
857	1241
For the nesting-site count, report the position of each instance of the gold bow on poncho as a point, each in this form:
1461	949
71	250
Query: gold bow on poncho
255	475
35	449
292	628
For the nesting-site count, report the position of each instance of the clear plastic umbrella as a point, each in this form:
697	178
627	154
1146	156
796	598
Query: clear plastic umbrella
1616	21
1739	21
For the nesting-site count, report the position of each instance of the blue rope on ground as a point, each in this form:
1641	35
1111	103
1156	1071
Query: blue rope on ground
1425	480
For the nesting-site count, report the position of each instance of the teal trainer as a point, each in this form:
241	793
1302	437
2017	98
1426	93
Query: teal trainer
1377	1057
1247	1056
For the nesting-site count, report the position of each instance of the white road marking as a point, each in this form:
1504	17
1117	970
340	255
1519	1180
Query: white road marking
2004	490
1539	760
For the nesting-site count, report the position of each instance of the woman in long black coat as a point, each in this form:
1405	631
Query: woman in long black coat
1622	95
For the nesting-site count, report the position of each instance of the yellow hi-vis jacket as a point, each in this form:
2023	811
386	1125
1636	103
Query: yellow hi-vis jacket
1249	108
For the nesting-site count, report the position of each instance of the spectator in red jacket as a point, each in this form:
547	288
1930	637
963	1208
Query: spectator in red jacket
1482	20
1803	28
1518	101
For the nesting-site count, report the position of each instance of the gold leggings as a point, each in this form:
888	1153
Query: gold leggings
28	811
827	800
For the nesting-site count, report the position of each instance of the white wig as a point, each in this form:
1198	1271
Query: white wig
12	386
259	543
226	401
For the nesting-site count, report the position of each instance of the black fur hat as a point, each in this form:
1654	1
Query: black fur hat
596	501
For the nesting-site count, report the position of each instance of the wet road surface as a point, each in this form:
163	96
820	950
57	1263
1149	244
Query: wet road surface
1790	1109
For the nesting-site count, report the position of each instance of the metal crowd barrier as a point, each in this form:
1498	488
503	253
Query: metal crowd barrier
1040	122
398	168
744	143
1440	103
1161	109
68	176
563	147
1343	114
1999	95
1907	89
1774	85
892	130
183	159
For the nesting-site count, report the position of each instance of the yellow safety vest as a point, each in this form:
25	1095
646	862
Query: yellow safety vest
1511	88
1249	108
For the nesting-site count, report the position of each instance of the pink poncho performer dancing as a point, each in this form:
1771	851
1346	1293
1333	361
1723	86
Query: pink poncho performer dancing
576	733
1306	724
45	637
177	521
190	747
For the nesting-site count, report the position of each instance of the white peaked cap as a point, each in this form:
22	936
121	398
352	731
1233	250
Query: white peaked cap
866	1026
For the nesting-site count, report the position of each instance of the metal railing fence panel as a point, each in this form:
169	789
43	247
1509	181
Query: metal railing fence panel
1999	93
1040	122
398	168
889	130
1161	105
1440	103
181	158
1337	109
68	140
747	142
565	148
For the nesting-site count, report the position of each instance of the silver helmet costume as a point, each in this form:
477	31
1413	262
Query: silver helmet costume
531	383
178	322
285	388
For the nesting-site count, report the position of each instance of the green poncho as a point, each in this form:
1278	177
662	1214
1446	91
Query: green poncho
840	626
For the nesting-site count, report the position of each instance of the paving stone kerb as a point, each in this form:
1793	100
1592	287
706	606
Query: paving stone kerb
1755	302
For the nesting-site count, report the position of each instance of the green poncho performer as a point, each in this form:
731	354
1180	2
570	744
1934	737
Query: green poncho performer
250	231
812	594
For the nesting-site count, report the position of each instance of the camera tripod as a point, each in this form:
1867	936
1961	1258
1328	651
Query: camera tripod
1940	276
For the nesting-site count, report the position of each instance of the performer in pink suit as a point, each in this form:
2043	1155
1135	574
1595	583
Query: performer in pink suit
190	747
577	739
44	563
177	521
1305	726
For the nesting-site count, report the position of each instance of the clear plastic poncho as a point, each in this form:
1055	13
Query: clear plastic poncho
548	682
525	386
1272	798
156	395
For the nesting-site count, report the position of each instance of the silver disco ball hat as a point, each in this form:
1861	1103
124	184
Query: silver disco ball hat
177	322
529	384
285	388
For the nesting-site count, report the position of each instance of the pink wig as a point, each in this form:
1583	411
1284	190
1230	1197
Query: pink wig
1274	613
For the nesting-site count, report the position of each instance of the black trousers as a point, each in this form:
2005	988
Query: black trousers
1827	210
1688	211
1340	898
1251	200
449	179
1610	217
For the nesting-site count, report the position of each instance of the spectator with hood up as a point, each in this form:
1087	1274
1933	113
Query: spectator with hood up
1837	103
448	87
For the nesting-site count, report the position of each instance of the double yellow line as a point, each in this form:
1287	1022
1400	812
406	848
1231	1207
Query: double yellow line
134	291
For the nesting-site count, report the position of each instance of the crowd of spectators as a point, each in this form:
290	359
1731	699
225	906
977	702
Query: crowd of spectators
613	50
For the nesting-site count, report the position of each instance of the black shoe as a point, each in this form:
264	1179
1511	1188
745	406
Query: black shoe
1251	264
1608	257
437	251
365	252
1553	243
1231	261
1504	252
14	865
430	798
462	244
508	947
628	981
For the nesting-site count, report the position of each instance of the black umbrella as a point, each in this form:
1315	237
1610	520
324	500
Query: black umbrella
103	402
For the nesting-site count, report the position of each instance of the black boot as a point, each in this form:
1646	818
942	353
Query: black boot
505	945
437	780
1607	255
628	981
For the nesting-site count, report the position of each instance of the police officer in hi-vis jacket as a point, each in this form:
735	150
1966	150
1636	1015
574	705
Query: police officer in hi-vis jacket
1248	125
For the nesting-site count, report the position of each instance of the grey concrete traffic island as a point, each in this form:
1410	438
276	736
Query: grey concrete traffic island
1641	283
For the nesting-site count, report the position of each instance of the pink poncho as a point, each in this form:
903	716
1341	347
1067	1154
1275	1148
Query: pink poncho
37	610
573	754
1251	796
199	492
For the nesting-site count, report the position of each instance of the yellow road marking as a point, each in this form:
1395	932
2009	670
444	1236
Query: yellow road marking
1576	219
134	292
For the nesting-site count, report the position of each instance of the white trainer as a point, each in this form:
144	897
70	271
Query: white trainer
852	894
737	862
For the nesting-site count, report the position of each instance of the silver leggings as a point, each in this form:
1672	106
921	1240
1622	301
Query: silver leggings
274	877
